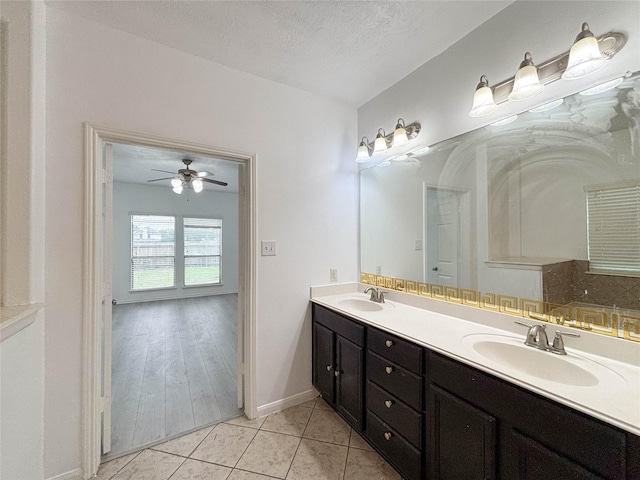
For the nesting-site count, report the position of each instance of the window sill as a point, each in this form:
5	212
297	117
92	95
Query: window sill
144	290
204	285
17	318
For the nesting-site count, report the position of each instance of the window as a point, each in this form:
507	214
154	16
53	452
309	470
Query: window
153	247
202	251
613	226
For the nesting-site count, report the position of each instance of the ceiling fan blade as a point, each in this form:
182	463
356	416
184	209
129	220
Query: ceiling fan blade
163	171
204	174
224	184
158	179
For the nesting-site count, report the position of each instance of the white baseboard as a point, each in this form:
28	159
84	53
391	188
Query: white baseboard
291	401
72	475
157	298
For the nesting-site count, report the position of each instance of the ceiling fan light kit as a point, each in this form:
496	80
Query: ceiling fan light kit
187	178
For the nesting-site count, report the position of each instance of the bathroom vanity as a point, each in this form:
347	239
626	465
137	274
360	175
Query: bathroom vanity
420	388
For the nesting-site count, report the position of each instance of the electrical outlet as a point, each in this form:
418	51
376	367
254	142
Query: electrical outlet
418	245
268	248
333	274
378	270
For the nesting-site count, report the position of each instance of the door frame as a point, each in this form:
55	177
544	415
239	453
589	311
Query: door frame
92	402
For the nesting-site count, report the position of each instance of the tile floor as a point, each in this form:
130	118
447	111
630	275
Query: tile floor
306	442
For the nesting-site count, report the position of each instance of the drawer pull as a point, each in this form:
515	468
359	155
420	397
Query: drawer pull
336	373
387	435
388	370
329	367
389	343
388	403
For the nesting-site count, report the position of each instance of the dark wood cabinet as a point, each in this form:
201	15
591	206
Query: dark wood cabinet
433	417
338	363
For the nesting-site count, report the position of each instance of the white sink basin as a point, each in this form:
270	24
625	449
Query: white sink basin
512	353
360	305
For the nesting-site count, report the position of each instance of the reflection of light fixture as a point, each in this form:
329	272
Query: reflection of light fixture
505	121
380	144
483	102
603	87
400	158
585	56
419	150
400	138
526	82
386	163
363	151
547	106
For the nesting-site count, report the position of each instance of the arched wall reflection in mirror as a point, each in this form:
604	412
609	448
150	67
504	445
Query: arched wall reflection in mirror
538	217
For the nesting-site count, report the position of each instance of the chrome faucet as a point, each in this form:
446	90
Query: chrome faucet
376	294
537	337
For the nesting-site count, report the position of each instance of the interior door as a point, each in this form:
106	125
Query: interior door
107	295
443	231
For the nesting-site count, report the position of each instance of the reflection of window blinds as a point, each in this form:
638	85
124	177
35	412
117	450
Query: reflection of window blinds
153	249
613	218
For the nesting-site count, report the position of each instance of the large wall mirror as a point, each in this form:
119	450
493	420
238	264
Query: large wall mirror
539	214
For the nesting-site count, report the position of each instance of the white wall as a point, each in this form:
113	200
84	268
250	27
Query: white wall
129	198
22	245
307	193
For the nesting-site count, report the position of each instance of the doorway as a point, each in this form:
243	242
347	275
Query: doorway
174	279
97	397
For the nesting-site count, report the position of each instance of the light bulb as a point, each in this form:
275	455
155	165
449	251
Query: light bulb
400	134
176	182
197	185
483	102
380	145
363	151
526	82
178	189
585	56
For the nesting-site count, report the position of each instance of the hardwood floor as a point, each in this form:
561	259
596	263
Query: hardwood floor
173	369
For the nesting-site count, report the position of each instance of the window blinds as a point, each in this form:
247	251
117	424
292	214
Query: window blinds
613	224
153	247
202	250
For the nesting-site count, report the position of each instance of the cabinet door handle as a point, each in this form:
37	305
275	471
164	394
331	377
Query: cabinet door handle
388	403
329	367
388	370
387	435
389	343
337	373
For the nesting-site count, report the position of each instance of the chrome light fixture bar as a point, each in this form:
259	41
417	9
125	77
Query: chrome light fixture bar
551	70
401	136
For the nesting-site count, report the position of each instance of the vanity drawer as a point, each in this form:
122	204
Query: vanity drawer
342	326
400	453
396	349
405	385
394	412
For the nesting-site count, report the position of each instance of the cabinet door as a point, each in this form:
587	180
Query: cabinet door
531	460
323	362
461	439
349	388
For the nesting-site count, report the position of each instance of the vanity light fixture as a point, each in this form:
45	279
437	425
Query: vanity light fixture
380	144
483	101
363	155
401	136
547	106
587	55
603	87
526	82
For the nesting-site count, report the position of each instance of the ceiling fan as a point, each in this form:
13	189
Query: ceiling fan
186	178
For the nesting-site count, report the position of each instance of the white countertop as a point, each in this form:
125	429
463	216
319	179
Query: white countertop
615	398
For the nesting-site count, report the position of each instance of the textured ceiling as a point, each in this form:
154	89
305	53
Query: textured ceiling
134	164
348	51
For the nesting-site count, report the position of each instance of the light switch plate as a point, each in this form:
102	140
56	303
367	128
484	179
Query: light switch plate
333	274
268	248
418	245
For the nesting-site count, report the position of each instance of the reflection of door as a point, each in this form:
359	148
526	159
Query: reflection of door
442	236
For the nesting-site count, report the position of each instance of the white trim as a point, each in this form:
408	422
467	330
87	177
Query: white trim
185	295
71	475
288	402
95	135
